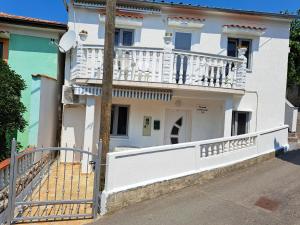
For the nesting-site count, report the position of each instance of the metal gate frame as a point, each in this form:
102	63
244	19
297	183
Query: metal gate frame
16	200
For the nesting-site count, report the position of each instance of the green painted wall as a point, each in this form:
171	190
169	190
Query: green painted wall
31	55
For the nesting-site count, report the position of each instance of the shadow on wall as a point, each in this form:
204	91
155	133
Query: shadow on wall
277	145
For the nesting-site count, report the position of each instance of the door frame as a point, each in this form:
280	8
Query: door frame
188	125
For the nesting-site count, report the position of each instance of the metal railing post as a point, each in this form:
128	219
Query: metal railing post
97	172
12	182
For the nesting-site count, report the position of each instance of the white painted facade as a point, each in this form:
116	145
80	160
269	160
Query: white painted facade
207	109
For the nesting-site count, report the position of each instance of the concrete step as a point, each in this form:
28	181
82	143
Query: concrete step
294	134
293	140
294	137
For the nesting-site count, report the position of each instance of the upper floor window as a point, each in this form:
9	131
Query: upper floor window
183	41
1	50
235	43
124	37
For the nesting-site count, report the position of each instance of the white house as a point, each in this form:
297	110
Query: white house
182	73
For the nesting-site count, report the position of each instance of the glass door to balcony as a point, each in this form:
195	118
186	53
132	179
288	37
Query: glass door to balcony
183	41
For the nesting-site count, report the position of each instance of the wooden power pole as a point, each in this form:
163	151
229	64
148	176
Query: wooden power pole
106	100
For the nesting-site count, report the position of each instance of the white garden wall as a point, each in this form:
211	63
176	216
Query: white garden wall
130	169
48	112
291	116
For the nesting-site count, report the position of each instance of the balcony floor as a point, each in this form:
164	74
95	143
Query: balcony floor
163	86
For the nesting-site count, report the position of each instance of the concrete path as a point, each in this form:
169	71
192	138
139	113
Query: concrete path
229	200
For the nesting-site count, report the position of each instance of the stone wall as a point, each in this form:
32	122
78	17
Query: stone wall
23	181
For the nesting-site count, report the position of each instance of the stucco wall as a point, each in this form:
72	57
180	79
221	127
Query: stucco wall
48	113
31	55
266	80
129	169
204	126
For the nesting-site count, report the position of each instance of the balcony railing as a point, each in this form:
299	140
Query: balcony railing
161	66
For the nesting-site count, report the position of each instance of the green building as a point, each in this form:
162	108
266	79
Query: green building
28	45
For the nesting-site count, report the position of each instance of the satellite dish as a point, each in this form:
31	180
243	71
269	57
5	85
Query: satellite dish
67	41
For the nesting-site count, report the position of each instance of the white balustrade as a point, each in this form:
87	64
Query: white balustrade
233	144
205	70
156	65
133	168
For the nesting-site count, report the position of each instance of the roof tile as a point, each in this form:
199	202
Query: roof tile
244	27
30	19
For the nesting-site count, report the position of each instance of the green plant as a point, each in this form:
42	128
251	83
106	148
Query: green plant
294	56
11	107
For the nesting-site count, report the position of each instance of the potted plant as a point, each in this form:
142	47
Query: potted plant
83	35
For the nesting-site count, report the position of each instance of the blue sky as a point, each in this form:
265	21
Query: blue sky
54	9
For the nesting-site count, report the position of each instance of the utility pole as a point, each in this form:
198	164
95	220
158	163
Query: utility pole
106	100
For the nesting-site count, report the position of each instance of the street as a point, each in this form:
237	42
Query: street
268	193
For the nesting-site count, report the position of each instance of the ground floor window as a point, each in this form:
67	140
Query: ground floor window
119	120
240	123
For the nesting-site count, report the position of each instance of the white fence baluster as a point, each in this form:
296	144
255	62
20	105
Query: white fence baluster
146	64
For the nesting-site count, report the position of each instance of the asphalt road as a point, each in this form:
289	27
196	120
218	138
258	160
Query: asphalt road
229	200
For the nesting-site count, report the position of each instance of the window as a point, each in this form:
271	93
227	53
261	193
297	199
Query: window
240	123
1	50
235	43
124	37
119	120
183	41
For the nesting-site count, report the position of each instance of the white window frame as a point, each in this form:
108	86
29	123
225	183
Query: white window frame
239	44
120	41
183	31
115	118
234	127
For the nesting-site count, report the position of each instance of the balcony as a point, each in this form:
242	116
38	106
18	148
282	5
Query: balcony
159	68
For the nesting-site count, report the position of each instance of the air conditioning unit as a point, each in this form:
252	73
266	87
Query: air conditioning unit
68	97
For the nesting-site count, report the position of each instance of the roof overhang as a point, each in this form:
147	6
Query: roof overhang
157	5
32	22
120	7
243	30
185	22
125	18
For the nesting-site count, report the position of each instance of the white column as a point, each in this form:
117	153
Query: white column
89	125
228	105
242	69
168	58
